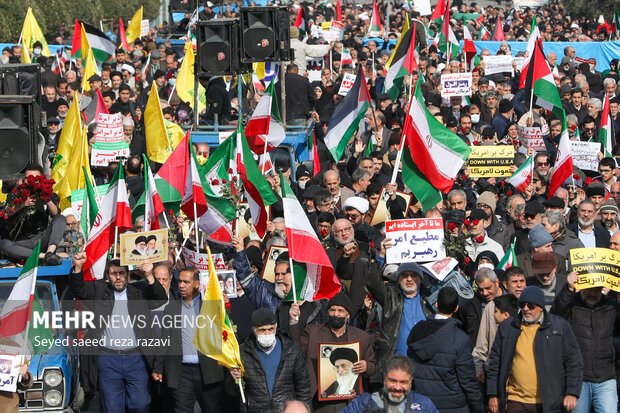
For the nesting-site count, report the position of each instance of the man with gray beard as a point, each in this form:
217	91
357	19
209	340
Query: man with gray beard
592	316
590	235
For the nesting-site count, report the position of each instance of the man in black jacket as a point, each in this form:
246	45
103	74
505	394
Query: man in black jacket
275	369
535	361
125	353
300	96
191	375
441	354
593	317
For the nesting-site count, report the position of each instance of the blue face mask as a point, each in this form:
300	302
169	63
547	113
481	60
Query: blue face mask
172	81
37	51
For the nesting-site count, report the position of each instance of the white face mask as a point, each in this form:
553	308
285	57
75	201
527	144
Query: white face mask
302	184
266	340
475	117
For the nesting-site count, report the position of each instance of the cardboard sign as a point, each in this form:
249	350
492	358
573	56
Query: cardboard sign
109	128
597	267
347	84
10	357
102	153
531	137
456	84
269	269
200	261
77	198
491	161
440	269
140	247
336	379
585	155
227	279
415	240
144	28
381	213
498	64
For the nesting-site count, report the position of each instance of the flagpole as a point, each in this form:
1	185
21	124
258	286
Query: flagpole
178	251
398	158
264	154
171	93
290	262
27	330
532	104
115	240
196	227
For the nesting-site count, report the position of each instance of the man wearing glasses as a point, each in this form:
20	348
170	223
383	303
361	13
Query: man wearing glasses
606	168
541	164
535	364
588	127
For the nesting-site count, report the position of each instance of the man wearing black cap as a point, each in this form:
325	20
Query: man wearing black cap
275	370
336	330
95	82
52	134
503	117
479	240
140	249
535	363
533	216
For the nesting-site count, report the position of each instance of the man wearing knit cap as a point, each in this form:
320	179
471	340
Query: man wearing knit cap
337	330
596	193
479	240
275	371
591	236
535	363
498	231
609	216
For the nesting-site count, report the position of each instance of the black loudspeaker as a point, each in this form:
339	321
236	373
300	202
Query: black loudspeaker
265	34
178	6
20	117
218	47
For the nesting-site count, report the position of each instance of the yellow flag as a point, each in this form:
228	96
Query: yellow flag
186	79
31	33
74	178
216	339
174	133
25	57
85	46
133	30
158	147
90	68
72	126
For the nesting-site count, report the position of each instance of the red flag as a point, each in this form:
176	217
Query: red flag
498	35
439	11
445	24
76	44
121	32
338	11
94	108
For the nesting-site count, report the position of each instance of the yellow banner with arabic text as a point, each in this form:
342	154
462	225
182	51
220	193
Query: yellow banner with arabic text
597	267
491	161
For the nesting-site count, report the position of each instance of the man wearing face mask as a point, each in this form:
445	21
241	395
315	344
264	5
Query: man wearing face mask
396	394
275	370
335	331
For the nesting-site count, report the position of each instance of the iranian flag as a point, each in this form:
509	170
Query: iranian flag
347	116
469	49
122	34
401	63
152	205
338	11
57	65
193	202
499	35
313	154
17	309
345	57
605	136
257	190
529	51
563	167
221	165
522	176
432	154
374	29
114	214
90	210
264	130
313	274
615	22
509	259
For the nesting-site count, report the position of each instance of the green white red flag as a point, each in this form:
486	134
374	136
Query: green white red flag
153	206
509	259
264	129
374	29
522	176
605	136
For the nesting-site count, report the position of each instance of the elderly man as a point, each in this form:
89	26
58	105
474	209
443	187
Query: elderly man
360	179
275	370
535	363
549	274
457	199
592	316
590	235
609	216
397	388
563	239
355	209
496	230
331	181
337	331
479	240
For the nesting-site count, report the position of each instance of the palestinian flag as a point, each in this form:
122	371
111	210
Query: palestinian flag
347	116
563	167
605	136
114	213
529	51
498	34
94	108
509	259
152	205
314	276
374	30
257	190
193	203
447	38
540	81
90	209
301	22
522	176
401	63
103	48
264	131
439	11
313	154
122	35
432	154
615	22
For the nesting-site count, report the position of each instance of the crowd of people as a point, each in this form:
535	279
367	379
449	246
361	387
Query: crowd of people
523	337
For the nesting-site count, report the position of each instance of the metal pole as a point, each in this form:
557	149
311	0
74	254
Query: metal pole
240	95
282	93
196	97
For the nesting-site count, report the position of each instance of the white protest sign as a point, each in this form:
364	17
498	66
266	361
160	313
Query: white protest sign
531	137
415	240
347	84
585	154
109	128
520	60
440	269
456	84
144	28
316	31
335	32
498	64
10	357
77	198
422	6
224	135
103	153
200	261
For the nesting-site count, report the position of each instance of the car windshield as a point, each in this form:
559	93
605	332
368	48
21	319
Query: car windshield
43	291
